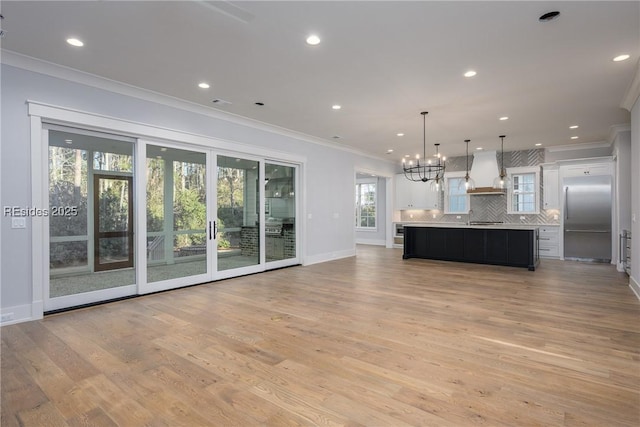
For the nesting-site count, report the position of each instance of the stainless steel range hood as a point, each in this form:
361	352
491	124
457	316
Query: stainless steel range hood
483	171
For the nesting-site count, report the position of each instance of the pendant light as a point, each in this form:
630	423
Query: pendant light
428	170
502	181
468	183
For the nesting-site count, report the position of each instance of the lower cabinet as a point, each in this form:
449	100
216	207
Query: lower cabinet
550	242
512	247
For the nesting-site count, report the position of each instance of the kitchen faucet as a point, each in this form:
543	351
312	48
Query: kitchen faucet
469	216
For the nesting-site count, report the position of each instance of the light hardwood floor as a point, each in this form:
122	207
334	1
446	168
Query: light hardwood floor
365	341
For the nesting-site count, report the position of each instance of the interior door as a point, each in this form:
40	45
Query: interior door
113	223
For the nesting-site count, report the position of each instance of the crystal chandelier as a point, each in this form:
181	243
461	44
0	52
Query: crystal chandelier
428	170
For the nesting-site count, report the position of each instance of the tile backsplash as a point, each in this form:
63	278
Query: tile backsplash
489	207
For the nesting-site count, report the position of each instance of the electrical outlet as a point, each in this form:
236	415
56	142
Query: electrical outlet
458	217
523	218
6	317
555	216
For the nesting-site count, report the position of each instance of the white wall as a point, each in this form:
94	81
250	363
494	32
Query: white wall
634	280
328	176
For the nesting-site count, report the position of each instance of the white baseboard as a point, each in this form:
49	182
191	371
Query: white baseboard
331	256
21	313
376	242
635	286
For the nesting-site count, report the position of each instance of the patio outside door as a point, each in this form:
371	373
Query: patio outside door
113	224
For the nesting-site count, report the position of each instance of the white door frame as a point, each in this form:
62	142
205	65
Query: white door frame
41	113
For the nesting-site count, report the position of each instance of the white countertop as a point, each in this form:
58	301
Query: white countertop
464	225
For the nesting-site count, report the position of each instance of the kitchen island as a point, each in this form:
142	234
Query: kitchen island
498	245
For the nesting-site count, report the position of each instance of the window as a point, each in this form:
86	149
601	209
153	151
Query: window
456	199
366	204
524	194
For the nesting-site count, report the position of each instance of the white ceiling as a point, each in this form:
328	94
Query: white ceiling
384	62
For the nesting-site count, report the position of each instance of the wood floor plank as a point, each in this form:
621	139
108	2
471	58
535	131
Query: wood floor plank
371	340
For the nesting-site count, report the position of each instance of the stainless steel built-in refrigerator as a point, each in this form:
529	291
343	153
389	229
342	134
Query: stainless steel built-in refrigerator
587	218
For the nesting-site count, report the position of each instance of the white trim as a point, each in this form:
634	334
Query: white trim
24	62
71	117
635	286
447	176
376	242
84	298
633	91
329	256
140	214
22	313
576	147
39	225
536	185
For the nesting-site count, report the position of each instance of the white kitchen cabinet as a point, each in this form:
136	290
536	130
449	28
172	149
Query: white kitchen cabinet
591	169
415	195
550	188
549	241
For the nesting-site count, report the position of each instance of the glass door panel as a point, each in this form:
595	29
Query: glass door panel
176	213
90	218
238	213
113	224
280	212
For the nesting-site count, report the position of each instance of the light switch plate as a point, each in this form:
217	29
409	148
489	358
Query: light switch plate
18	222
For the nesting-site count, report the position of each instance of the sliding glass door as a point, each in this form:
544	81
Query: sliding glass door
280	214
134	216
176	216
238	228
90	218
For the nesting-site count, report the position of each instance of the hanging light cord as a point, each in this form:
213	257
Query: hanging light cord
502	174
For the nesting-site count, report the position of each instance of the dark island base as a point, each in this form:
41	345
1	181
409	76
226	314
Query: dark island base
510	247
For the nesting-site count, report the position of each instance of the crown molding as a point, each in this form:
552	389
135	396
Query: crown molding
51	69
633	91
617	129
576	147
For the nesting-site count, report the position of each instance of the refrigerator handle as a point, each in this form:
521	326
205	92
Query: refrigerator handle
566	204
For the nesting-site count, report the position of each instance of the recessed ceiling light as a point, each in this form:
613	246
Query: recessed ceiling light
336	107
400	134
407	155
389	151
538	144
573	127
470	73
75	42
478	148
574	137
313	40
203	85
621	58
504	118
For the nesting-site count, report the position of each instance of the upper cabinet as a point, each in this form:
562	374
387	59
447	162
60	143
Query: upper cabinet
591	169
550	188
415	195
